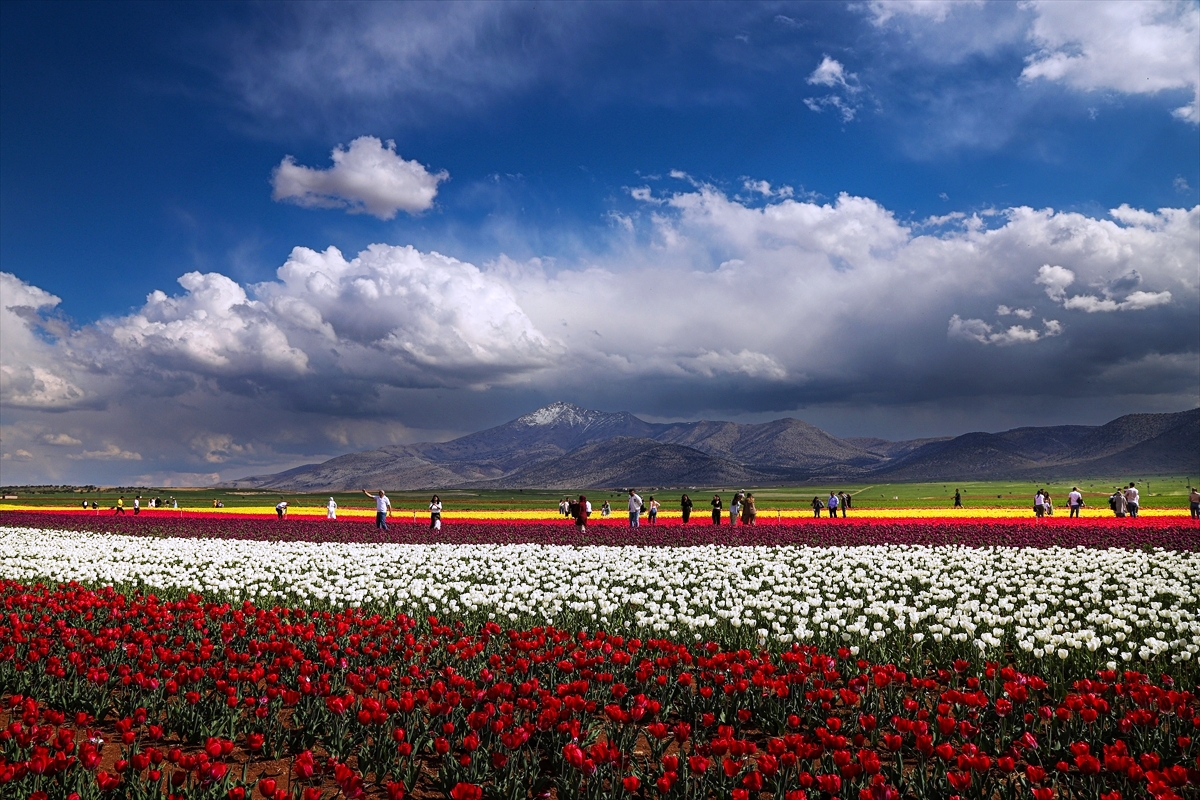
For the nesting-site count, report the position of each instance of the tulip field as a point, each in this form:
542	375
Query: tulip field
870	658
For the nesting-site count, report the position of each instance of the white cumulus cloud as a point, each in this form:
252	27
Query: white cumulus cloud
1023	313
976	330
832	74
110	452
60	439
31	374
369	177
213	328
1130	47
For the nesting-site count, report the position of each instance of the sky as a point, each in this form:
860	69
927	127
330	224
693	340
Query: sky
235	238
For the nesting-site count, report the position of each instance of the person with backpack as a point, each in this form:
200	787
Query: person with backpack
1075	501
1116	502
1132	501
635	509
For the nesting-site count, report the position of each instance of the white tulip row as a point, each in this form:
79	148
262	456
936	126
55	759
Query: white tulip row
1120	605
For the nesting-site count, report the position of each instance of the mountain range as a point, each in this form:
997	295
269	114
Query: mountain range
563	446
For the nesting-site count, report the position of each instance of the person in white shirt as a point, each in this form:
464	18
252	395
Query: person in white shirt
1075	501
1131	499
331	509
435	513
1039	504
635	509
281	509
383	507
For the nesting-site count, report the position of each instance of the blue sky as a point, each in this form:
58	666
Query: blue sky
891	219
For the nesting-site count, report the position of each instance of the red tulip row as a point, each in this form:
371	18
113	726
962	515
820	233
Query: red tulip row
113	696
1172	533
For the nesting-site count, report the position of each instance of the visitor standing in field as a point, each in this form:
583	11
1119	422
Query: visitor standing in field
832	505
716	509
957	499
383	507
1132	501
1039	504
1194	501
843	502
583	510
635	509
654	504
685	508
1048	503
1116	501
331	509
735	508
137	505
817	505
1075	501
749	512
435	513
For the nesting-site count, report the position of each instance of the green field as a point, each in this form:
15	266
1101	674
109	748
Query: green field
1157	491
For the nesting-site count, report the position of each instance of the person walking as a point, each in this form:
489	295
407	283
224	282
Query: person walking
281	509
685	507
383	507
331	509
716	509
435	513
749	511
1075	501
817	505
957	499
119	508
1132	501
635	509
654	504
583	510
137	505
735	508
1194	501
832	505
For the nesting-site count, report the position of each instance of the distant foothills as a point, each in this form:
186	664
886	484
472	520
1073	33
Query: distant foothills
563	446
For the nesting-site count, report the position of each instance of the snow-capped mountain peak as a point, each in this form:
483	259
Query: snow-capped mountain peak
560	414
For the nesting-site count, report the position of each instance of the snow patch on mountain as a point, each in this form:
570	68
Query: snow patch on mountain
561	414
